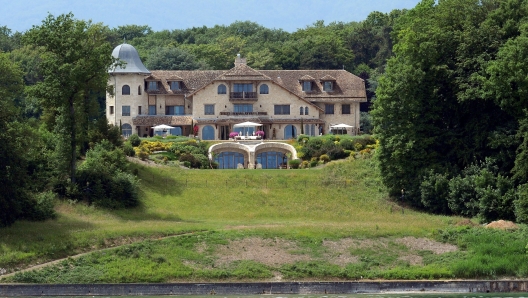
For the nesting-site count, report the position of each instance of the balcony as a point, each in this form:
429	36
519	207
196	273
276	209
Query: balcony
243	96
243	113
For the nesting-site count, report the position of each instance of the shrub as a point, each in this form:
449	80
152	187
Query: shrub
313	162
305	164
294	163
128	149
104	179
134	140
324	158
40	207
521	204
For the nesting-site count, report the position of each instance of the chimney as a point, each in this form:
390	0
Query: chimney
239	60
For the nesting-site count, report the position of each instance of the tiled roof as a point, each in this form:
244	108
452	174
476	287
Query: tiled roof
347	86
328	78
192	80
306	78
242	72
153	120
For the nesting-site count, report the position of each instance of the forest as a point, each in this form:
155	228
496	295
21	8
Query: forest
446	84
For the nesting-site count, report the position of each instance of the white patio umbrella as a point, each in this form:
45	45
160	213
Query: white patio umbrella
340	127
246	124
161	127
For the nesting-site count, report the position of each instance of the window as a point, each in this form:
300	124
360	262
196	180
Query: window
329	108
282	109
242	108
306	111
307	86
174	110
152	110
111	110
139	90
125	111
126	129
125	90
328	86
301	111
243	88
174	86
264	89
209	109
222	89
290	132
229	160
139	110
345	109
272	159
208	133
152	86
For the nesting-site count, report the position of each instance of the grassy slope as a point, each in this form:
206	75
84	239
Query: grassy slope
305	205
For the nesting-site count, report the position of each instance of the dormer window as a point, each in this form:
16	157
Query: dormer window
153	86
175	86
328	86
307	86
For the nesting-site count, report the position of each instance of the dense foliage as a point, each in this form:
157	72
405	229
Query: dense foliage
450	113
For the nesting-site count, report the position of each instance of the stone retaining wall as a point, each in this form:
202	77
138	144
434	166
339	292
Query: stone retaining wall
262	288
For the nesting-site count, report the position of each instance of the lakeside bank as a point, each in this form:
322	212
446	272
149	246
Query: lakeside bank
259	288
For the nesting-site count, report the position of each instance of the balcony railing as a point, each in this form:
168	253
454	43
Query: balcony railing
243	113
251	96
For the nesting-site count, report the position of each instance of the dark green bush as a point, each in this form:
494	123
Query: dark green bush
521	204
294	163
40	206
128	149
435	192
134	140
104	179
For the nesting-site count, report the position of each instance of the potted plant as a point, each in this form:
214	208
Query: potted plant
260	134
233	135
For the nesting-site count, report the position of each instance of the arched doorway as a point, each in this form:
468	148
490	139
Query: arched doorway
290	132
229	160
208	133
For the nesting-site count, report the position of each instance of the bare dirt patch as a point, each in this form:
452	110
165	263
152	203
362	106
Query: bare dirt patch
271	252
426	244
339	251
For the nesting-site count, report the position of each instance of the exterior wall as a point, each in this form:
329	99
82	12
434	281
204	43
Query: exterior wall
134	100
338	116
265	103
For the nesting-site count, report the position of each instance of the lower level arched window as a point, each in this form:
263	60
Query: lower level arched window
126	129
229	160
272	159
208	133
290	132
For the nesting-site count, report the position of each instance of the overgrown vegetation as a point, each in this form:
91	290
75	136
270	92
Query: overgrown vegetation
449	110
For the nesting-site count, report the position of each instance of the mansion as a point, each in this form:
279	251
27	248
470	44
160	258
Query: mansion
208	103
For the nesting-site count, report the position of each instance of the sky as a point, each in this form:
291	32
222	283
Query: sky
288	15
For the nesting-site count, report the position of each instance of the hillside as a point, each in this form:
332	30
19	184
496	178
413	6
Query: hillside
256	225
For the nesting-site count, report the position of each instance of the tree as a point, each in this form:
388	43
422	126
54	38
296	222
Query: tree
170	58
75	59
431	113
13	176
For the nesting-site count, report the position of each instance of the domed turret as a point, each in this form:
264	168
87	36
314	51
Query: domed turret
130	56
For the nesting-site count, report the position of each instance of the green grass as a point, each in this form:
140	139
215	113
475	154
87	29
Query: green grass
341	200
